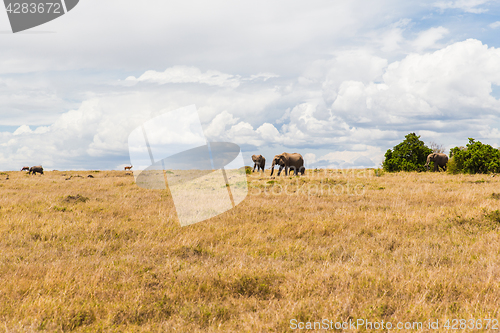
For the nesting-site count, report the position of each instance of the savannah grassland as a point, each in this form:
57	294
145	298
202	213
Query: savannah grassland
101	254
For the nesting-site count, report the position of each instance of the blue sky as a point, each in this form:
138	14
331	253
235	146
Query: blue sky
338	81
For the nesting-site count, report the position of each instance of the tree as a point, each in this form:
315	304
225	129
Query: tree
476	157
436	148
409	155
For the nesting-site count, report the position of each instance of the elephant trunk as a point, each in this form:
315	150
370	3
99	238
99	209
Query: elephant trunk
272	169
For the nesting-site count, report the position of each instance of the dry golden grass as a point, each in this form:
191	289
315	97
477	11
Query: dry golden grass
101	254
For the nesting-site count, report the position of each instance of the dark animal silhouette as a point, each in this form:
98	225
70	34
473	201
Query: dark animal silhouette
36	169
25	169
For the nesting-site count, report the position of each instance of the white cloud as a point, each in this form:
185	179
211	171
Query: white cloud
490	133
185	74
448	82
218	126
369	158
428	38
469	6
22	130
494	25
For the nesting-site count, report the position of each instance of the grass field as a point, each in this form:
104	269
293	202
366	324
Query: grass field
101	254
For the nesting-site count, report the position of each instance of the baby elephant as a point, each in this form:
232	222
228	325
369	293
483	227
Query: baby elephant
36	169
260	162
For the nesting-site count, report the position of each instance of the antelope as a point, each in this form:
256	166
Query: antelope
25	169
128	167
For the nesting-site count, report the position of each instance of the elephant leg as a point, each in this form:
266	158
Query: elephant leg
294	171
255	164
279	171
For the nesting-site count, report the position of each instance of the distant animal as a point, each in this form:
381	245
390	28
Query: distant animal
25	169
259	162
440	160
287	161
36	169
128	167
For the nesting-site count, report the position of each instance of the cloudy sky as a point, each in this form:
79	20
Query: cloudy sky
338	81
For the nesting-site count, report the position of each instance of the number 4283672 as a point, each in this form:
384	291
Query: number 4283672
48	7
461	324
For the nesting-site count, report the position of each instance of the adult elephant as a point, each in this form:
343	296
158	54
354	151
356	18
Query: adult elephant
36	169
259	162
440	160
287	161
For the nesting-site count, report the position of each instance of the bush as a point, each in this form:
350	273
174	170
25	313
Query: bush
451	166
409	155
476	157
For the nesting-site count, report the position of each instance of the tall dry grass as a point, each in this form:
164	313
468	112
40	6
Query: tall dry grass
101	254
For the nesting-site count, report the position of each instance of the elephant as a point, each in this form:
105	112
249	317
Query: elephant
260	162
293	161
25	168
36	169
439	160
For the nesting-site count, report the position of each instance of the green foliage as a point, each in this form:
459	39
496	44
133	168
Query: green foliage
476	157
409	155
451	167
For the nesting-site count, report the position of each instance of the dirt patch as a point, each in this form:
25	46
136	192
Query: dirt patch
75	198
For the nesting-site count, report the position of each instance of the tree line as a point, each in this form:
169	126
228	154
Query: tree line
411	155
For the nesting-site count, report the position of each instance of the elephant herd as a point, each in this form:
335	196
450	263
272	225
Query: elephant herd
285	161
295	162
288	162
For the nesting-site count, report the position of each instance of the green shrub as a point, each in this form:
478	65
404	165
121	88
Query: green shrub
409	155
476	157
451	167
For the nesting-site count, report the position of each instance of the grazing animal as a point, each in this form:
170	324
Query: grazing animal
128	167
36	169
293	161
439	160
260	162
25	169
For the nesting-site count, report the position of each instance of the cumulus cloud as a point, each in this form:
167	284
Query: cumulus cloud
448	82
351	105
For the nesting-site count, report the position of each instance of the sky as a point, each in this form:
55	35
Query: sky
338	81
